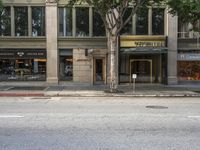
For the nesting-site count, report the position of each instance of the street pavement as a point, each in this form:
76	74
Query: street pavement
99	123
141	90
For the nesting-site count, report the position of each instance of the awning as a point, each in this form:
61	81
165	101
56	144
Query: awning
143	50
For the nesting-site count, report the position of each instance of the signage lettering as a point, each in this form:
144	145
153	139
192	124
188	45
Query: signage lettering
150	44
189	57
24	54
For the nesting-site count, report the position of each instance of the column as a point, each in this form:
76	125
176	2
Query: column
29	21
90	22
150	21
12	21
172	49
52	41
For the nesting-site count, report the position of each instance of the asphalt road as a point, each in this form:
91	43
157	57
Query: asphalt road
94	123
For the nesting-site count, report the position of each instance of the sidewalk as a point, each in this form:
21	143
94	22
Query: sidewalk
141	90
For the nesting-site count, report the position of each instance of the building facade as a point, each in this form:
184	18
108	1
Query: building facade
43	40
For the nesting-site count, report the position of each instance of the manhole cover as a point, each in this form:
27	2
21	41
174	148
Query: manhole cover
27	88
157	107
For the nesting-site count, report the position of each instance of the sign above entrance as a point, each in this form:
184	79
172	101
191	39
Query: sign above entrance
143	41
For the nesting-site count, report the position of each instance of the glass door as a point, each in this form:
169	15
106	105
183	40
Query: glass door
143	69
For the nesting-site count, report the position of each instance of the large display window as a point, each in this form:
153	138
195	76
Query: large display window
189	70
22	69
22	65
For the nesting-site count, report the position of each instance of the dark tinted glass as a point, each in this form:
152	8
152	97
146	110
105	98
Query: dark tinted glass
158	22
82	22
21	21
98	26
142	22
5	26
38	21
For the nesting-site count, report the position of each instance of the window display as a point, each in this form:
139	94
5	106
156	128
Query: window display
22	69
189	70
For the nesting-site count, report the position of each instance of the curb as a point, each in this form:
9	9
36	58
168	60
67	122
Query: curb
88	94
21	94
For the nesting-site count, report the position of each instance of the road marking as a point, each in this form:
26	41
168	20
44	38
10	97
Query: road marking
11	116
193	116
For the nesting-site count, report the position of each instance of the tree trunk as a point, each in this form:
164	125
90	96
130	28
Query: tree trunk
113	49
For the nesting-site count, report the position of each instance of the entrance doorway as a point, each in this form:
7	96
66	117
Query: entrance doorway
143	69
99	71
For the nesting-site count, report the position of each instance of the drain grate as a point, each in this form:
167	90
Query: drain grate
157	107
27	88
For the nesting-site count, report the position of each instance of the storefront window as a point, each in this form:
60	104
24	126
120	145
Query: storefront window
98	25
66	65
127	30
5	24
82	22
158	21
22	65
21	21
142	22
189	70
38	21
65	21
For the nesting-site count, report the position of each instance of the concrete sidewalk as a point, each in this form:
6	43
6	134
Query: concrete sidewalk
141	90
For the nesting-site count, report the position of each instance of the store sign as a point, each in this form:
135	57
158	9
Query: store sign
189	57
143	41
150	44
23	54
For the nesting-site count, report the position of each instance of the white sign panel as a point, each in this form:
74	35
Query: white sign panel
134	76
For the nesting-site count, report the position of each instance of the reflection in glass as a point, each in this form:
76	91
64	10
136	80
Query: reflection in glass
5	26
98	25
21	21
38	21
142	22
158	21
82	22
188	70
65	21
23	69
66	68
127	29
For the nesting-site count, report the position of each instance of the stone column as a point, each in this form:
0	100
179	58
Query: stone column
52	41
172	49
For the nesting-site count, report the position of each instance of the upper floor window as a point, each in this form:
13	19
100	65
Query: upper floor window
82	21
98	25
5	23
158	21
65	21
127	29
142	22
21	21
38	21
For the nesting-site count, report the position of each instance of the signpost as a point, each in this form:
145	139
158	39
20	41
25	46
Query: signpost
134	76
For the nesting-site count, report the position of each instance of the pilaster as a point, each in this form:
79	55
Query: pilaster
52	41
172	49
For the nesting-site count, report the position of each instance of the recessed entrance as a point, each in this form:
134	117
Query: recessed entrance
99	71
143	69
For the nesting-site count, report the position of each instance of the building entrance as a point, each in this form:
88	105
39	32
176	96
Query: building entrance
143	69
99	71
